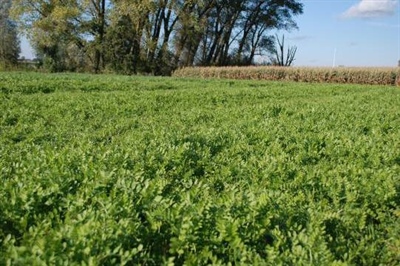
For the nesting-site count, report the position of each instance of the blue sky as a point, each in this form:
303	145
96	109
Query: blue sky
347	32
340	32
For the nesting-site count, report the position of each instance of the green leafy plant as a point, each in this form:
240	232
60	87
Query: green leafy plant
117	170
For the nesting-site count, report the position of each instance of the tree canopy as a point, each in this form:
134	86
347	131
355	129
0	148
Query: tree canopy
9	41
154	36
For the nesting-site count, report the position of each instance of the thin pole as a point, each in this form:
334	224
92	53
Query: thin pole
334	58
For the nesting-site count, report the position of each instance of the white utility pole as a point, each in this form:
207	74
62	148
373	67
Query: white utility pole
334	58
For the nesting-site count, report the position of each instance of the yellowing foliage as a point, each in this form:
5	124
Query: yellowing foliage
371	76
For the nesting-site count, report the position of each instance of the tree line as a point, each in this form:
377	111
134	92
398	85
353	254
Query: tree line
150	36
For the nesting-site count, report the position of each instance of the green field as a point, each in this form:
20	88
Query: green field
104	170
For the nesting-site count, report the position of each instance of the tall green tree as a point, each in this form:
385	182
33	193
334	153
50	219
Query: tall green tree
234	31
259	17
50	26
66	34
128	36
93	23
9	41
192	28
153	36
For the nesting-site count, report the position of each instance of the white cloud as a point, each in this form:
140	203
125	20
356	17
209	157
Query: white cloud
371	8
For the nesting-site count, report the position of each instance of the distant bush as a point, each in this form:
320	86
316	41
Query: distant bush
372	76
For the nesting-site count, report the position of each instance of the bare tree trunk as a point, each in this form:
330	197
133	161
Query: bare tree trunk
280	59
100	7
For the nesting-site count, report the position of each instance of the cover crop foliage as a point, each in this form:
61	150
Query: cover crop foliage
371	76
114	170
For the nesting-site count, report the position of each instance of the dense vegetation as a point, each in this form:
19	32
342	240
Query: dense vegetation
371	76
107	170
152	36
9	41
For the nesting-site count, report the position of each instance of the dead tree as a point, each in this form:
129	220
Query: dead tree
278	57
